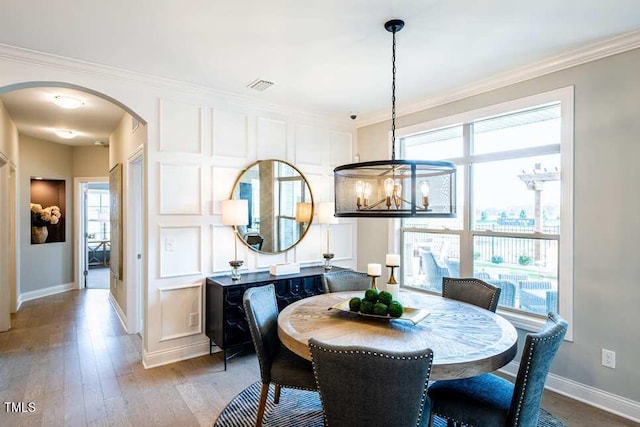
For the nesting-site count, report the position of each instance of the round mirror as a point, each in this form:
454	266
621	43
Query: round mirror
280	205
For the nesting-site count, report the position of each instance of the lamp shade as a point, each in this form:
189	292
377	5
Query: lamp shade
304	211
235	212
326	213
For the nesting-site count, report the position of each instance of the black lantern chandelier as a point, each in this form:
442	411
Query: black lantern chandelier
395	188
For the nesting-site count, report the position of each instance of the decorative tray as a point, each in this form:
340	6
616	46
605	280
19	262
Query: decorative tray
413	315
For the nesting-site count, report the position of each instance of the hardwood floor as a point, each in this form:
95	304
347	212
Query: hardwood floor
68	354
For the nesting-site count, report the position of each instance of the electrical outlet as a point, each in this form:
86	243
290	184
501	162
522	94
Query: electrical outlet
193	319
169	245
608	358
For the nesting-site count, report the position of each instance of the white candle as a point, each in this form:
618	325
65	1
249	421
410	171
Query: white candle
393	260
374	270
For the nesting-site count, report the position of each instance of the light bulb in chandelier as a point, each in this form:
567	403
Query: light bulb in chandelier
424	190
367	194
397	194
359	193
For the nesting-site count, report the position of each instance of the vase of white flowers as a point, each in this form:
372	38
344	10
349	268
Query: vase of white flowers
40	219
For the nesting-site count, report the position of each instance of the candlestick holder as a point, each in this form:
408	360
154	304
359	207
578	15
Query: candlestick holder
392	278
373	281
327	261
235	265
392	285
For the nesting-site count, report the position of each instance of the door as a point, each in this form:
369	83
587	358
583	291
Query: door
135	246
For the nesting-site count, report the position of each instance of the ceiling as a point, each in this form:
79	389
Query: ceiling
330	57
34	114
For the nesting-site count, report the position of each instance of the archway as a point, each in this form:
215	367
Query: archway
15	288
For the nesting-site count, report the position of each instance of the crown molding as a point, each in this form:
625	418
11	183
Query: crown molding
593	52
51	61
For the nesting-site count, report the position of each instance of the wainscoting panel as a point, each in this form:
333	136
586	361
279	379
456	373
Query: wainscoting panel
223	249
271	139
180	189
230	136
311	143
180	251
222	184
181	127
317	183
180	311
341	240
340	148
311	247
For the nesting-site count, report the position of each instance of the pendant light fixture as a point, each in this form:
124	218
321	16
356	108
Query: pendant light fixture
395	188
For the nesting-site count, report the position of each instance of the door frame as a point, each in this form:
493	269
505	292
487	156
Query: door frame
135	243
79	228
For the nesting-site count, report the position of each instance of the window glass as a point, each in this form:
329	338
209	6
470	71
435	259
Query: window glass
531	128
433	256
512	164
439	144
517	195
525	269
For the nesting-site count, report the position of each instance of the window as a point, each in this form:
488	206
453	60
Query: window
514	188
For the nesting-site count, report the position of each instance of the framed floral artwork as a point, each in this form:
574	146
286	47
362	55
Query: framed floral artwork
47	210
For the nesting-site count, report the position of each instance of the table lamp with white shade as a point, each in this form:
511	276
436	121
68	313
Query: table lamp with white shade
235	212
326	216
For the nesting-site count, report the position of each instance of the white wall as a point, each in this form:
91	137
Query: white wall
201	149
211	138
606	230
8	164
47	267
90	161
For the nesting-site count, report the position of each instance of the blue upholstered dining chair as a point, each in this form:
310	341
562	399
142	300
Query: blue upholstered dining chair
434	270
345	280
471	290
363	387
278	365
507	292
489	400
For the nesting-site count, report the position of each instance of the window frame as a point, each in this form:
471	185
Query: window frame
565	97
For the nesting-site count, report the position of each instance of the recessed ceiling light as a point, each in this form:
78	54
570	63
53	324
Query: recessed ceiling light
66	134
67	102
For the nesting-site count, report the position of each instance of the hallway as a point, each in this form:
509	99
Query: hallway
69	355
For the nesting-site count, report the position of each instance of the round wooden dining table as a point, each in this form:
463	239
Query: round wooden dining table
466	340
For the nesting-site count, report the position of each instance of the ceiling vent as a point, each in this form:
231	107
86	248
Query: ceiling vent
260	85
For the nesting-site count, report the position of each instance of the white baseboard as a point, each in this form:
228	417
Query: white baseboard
119	312
604	400
164	357
39	293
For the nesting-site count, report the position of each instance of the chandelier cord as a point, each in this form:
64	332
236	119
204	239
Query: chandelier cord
393	98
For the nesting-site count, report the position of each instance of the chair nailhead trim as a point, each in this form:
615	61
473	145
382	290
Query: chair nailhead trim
534	340
388	356
478	281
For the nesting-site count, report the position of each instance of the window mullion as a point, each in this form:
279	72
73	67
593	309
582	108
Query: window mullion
466	241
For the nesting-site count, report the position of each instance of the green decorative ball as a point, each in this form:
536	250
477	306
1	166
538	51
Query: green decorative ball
366	307
380	309
371	295
385	297
395	309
